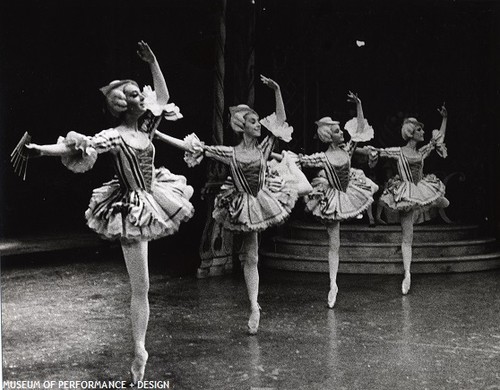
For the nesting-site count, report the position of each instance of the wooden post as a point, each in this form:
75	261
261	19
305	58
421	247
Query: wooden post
216	243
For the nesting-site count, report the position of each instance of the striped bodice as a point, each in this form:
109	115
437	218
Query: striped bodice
337	176
134	167
248	177
252	173
410	169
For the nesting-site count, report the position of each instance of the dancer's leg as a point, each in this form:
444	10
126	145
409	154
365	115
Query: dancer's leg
369	213
406	247
249	258
378	213
333	260
136	260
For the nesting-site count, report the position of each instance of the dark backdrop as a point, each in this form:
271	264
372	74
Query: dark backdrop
55	56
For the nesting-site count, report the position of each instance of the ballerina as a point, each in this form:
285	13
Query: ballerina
252	199
410	190
339	191
142	203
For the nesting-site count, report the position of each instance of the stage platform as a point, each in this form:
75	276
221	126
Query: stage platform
303	246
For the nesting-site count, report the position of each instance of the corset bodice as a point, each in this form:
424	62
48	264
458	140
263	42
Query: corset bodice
251	171
134	167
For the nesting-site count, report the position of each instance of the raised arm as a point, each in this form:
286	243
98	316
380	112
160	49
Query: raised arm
437	140
353	98
280	106
444	115
159	83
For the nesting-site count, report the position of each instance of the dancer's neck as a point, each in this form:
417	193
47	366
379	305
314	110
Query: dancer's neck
412	144
248	142
129	121
334	147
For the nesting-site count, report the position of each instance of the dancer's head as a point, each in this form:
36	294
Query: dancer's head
123	96
329	131
412	129
244	120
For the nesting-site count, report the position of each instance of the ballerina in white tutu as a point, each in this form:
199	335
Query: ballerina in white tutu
339	191
142	203
411	191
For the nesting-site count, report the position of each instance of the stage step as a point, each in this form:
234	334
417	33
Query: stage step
381	233
382	265
303	246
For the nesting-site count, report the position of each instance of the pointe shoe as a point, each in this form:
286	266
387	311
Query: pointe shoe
253	321
138	367
405	286
332	296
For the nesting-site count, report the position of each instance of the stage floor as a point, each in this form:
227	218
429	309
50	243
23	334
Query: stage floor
70	322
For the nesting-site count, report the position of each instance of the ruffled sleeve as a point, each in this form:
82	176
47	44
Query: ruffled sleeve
437	143
365	134
279	129
155	112
315	160
169	111
390	152
87	148
198	149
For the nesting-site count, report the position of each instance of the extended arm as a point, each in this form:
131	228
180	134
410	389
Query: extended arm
159	83
280	106
178	143
276	156
365	150
56	150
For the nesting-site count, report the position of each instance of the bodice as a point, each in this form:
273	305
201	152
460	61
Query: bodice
416	167
134	167
337	175
251	170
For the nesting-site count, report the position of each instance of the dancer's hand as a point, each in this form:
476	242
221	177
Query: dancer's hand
353	98
372	150
270	83
32	150
145	53
443	111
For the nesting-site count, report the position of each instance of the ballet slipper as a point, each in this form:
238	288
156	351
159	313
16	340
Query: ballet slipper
332	296
253	321
138	366
405	286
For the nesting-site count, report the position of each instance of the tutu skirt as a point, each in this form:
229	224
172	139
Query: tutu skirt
405	196
117	213
243	212
329	204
